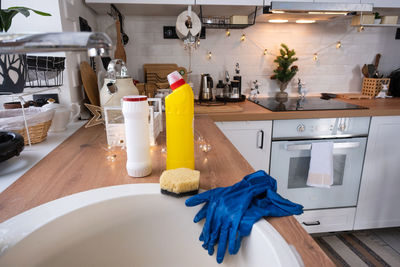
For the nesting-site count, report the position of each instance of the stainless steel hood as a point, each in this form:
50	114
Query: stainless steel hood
317	11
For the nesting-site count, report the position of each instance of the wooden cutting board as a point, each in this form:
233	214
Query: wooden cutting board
89	79
199	109
353	96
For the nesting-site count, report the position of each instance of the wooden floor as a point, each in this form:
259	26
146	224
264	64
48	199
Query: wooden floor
377	247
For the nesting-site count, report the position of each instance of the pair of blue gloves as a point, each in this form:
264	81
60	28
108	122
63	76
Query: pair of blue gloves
230	212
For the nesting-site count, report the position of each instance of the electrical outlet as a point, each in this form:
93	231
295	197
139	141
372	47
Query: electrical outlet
170	32
397	34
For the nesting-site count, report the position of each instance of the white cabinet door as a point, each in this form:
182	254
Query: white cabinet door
327	220
338	1
252	139
159	2
379	197
268	2
230	3
383	3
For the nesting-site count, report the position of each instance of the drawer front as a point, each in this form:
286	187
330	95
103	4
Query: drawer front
327	220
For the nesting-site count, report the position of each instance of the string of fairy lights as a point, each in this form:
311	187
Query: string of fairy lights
314	56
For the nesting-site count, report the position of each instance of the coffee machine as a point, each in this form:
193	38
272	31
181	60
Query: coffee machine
206	86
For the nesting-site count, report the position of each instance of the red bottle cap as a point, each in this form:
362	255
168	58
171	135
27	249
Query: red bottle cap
134	98
175	80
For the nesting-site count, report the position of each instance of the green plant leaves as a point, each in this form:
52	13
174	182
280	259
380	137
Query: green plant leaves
6	15
283	72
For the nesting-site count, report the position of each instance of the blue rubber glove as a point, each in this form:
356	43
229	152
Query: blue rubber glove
225	208
230	212
271	205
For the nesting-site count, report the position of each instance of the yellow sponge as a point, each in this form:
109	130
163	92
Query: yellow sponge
180	182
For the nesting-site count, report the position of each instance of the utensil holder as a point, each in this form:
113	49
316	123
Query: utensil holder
372	86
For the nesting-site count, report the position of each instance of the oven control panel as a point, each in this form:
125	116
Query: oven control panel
320	128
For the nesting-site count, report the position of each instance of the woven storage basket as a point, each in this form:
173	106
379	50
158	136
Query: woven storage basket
38	121
372	86
37	133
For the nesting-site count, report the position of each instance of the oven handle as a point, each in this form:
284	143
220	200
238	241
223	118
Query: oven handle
335	145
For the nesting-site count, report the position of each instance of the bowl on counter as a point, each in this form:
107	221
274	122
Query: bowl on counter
11	144
126	225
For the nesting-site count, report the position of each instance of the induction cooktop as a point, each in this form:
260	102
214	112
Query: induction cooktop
298	104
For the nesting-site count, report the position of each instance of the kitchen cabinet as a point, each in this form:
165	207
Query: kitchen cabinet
383	3
378	202
160	2
268	3
252	139
327	220
231	2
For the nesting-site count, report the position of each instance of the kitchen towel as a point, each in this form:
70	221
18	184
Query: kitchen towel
320	173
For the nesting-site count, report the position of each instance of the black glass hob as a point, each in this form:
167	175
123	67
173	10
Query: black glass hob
296	104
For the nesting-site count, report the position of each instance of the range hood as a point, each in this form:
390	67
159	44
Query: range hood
309	11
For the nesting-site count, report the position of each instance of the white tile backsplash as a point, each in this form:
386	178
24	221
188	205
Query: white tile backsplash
337	70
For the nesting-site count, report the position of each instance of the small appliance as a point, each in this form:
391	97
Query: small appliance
206	86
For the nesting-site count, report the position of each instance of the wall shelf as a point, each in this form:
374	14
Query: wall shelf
223	25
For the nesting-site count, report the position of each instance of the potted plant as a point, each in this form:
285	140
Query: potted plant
13	70
284	72
378	18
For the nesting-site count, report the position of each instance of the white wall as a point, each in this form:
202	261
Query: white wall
337	70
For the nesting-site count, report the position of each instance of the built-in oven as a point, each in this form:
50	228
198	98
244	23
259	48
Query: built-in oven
290	159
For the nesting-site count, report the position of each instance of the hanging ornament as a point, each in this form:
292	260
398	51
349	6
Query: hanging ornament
243	38
315	57
265	51
227	33
338	45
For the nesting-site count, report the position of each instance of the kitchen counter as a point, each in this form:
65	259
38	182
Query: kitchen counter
253	112
80	163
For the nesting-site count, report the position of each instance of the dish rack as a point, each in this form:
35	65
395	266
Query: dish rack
115	129
32	123
45	71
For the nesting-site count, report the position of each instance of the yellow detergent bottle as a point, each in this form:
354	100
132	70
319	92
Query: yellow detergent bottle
179	109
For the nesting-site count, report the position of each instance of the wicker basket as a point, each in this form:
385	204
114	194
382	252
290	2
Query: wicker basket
38	121
372	86
37	133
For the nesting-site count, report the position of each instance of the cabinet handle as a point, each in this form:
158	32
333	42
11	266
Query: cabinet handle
335	145
311	223
260	146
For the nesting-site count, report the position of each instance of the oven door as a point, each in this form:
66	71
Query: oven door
290	162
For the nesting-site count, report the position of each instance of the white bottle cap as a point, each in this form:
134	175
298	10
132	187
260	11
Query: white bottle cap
175	80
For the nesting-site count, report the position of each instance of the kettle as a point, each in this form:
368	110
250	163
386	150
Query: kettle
206	86
62	115
117	84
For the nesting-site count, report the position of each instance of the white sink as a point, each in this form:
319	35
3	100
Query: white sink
126	225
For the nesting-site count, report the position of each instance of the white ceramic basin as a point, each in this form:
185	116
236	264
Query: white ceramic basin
127	225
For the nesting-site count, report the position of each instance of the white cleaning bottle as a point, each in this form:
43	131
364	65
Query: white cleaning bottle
136	112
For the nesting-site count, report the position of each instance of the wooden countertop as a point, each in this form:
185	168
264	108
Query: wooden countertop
253	112
80	164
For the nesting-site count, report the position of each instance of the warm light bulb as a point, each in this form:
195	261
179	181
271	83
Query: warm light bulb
198	42
338	45
209	55
278	20
305	21
277	11
228	33
243	38
315	57
265	51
